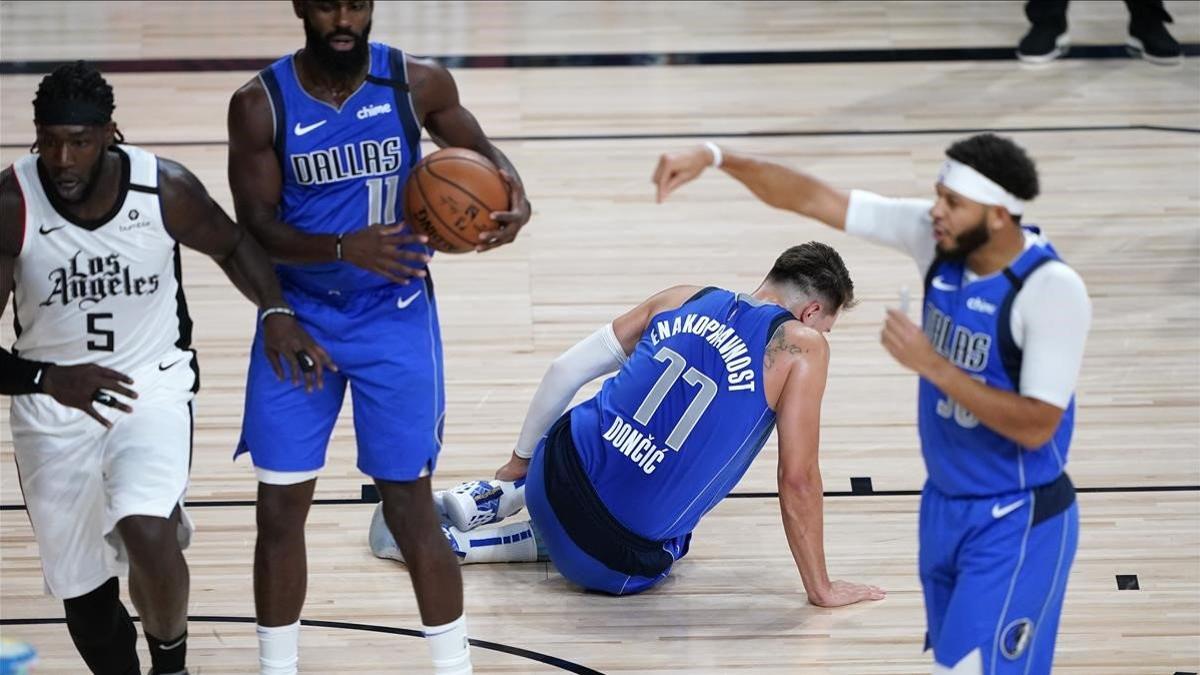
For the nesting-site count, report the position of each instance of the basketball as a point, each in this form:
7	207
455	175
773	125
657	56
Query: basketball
450	196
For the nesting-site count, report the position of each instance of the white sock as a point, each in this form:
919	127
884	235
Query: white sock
278	649
514	542
449	648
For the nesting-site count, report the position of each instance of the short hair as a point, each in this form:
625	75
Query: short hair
1001	160
816	268
72	83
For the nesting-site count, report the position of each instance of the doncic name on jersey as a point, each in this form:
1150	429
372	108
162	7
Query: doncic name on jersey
89	280
367	157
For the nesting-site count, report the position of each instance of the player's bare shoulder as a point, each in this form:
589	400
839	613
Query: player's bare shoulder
12	208
250	113
792	342
430	84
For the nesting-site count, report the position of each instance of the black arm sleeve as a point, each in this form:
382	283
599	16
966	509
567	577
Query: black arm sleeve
20	376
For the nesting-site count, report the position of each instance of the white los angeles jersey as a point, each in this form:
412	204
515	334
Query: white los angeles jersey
105	291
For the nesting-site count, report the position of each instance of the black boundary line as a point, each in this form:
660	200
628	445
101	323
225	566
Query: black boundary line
615	59
732	495
751	134
561	664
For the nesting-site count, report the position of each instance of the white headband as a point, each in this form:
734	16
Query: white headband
977	187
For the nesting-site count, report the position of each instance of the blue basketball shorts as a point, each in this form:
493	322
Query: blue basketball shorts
565	544
388	347
994	572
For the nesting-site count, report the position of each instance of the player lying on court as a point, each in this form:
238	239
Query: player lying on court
1005	322
89	246
616	485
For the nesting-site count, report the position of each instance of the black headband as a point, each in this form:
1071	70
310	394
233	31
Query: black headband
71	113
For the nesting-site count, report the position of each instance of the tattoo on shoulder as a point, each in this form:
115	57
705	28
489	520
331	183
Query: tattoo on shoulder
780	346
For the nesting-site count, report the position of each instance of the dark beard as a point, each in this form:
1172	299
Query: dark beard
340	64
968	242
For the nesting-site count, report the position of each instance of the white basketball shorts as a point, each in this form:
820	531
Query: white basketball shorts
79	479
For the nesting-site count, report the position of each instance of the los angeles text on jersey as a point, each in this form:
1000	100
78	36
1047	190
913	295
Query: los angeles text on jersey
352	160
89	280
965	348
729	345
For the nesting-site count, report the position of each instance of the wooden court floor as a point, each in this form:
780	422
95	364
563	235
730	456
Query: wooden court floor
1118	146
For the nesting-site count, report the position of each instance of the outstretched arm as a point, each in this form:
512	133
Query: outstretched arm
776	185
801	499
198	222
601	353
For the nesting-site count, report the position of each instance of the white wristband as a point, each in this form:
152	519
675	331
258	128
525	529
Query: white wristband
275	310
716	153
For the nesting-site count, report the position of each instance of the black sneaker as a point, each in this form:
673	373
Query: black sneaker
1043	43
1151	41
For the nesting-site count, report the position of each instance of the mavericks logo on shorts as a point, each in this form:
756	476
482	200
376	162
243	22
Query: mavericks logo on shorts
1015	638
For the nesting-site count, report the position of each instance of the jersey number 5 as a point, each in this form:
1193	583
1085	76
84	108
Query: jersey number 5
676	366
94	330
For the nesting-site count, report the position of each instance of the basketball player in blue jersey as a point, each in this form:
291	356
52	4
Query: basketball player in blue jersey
321	143
1005	322
616	485
102	373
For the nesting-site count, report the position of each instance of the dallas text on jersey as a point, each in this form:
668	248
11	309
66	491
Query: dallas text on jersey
338	163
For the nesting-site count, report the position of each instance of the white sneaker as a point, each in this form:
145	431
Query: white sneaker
481	502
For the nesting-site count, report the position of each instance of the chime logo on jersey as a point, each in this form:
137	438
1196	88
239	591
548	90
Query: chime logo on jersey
90	280
352	160
965	348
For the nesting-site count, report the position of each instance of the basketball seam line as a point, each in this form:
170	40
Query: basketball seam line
477	200
428	206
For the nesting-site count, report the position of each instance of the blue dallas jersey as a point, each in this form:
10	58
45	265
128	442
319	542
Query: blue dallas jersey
969	324
674	431
343	168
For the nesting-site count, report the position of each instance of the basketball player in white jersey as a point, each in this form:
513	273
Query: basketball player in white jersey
89	248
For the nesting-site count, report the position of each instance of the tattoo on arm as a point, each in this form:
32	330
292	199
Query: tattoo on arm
781	346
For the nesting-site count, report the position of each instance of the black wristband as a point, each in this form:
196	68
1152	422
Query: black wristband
20	376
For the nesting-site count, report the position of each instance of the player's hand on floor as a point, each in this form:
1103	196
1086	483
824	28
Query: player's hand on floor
381	250
86	384
677	168
841	593
286	341
511	221
514	469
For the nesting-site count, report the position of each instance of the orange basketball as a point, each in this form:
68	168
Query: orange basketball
450	196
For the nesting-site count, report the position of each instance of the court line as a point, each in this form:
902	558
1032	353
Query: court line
734	495
561	664
742	134
610	60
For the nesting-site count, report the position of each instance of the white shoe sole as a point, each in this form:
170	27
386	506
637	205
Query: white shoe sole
1061	45
1137	50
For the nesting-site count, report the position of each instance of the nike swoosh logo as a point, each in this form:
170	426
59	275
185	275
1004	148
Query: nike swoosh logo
173	645
941	285
301	130
1001	511
168	367
401	303
43	229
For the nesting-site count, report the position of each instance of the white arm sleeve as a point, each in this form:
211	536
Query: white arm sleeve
597	354
902	224
1050	321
